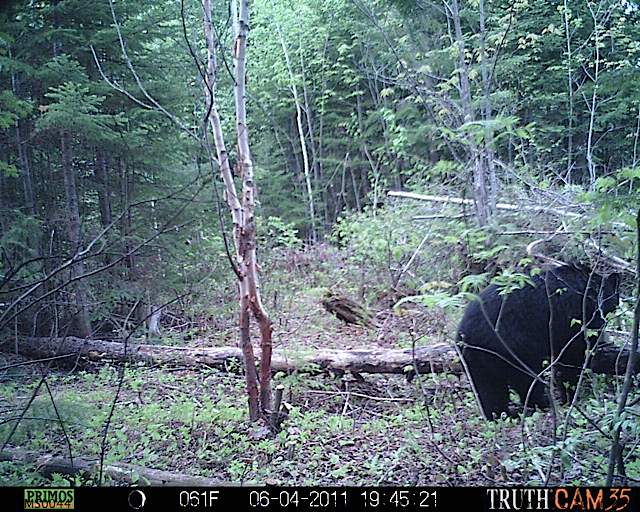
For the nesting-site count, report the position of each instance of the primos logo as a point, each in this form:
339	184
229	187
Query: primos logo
48	498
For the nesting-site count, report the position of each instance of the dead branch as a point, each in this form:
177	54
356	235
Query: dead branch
552	262
129	474
500	206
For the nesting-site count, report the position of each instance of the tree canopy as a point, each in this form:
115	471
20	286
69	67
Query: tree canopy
346	100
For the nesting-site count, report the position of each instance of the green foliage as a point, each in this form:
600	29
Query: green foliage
277	233
18	475
618	198
475	282
12	109
380	90
77	112
178	419
9	170
383	107
509	281
441	300
63	70
43	417
381	239
16	245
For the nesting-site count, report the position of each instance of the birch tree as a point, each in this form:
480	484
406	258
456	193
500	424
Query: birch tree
242	208
480	193
303	143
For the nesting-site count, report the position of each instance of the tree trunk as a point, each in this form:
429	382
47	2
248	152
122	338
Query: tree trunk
81	299
303	143
103	189
236	208
126	222
567	30
25	171
488	153
479	185
242	212
436	358
248	265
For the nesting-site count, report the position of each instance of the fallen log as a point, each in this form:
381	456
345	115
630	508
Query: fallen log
433	358
129	474
436	358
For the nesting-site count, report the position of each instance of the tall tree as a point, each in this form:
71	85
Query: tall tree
242	209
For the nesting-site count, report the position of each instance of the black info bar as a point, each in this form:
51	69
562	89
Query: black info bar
610	499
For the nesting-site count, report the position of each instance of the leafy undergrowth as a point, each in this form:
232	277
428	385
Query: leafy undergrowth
383	431
379	430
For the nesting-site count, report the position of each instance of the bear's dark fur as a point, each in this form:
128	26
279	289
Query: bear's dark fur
511	354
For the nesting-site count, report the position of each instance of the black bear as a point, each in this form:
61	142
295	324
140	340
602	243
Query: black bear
505	337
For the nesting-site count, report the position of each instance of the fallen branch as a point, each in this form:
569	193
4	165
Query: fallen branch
499	206
129	474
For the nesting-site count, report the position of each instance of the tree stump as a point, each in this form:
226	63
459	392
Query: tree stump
347	310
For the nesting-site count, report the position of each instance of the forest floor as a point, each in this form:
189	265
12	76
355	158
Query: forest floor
368	430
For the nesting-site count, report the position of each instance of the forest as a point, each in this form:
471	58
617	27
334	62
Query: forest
188	186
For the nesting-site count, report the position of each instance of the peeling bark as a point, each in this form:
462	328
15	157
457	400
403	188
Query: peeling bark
242	211
436	358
